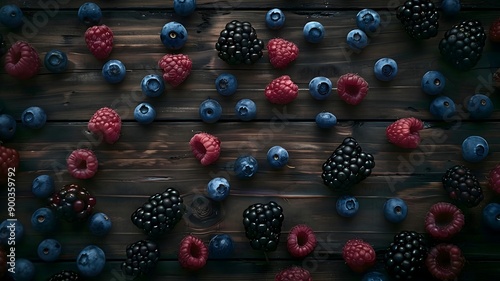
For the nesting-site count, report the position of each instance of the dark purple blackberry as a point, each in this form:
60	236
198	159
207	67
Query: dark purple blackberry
462	45
347	166
142	257
419	18
3	46
238	43
160	213
65	275
405	257
462	186
72	203
263	225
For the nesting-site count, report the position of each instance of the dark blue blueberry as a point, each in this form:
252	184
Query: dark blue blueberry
90	14
173	35
385	69
220	247
49	250
114	71
433	82
90	261
479	106
347	206
144	113
395	210
275	19
56	61
491	216
43	220
277	156
320	87
152	85
450	7
443	108
11	16
475	149
99	224
210	111
11	231
25	270
226	84
7	127
245	167
375	276
34	117
184	8
368	20
43	186
245	109
313	32
325	120
357	39
218	188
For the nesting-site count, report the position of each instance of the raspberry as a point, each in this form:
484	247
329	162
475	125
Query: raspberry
82	164
352	88
22	61
205	147
404	132
301	241
494	179
282	90
281	52
444	220
99	39
193	254
445	261
293	273
176	68
106	123
494	31
9	158
358	255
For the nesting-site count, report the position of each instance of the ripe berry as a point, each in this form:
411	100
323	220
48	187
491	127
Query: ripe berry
357	40
218	188
152	85
245	109
368	20
226	84
34	117
444	220
491	216
445	261
8	127
282	90
221	246
238	43
419	18
325	120
25	270
205	147
210	111
347	206
184	8
281	52
494	31
405	132
144	113
262	224
375	276
352	88
313	32
90	14
90	261
82	163
450	7
99	224
49	250
22	61
275	19
99	40
11	16
395	210
176	68
359	255
173	35
320	87
245	167
474	149
433	82
494	179
43	186
73	203
43	220
56	61
443	108
385	69
6	228
301	241
141	258
106	123
114	71
277	156
479	107
193	253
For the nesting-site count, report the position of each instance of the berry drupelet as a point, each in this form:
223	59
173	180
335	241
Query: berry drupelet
419	18
263	225
73	203
238	43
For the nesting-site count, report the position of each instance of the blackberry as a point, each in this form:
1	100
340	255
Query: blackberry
462	45
405	257
72	203
238	43
142	257
65	275
419	18
347	166
462	186
160	213
262	224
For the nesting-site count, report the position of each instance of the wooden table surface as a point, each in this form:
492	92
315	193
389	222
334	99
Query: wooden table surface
148	159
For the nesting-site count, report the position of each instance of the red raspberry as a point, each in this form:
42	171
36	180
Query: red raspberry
352	88
176	68
293	273
445	261
494	31
99	39
82	164
193	254
444	220
281	52
359	255
405	132
205	147
282	90
494	179
22	61
301	241
106	123
9	158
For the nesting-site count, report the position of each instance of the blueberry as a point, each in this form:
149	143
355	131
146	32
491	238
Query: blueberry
113	71
357	39
11	16
245	109
433	82
220	247
43	186
368	20
152	85
385	69
474	149
56	61
245	167
43	220
173	35
99	224
450	7
313	32
395	210
9	229
277	156
7	127
491	216
375	276
320	87
184	8
325	120
49	250
218	188
90	14
479	106
210	111
34	117
25	270
144	113
443	108
347	206
275	19
226	84
90	261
